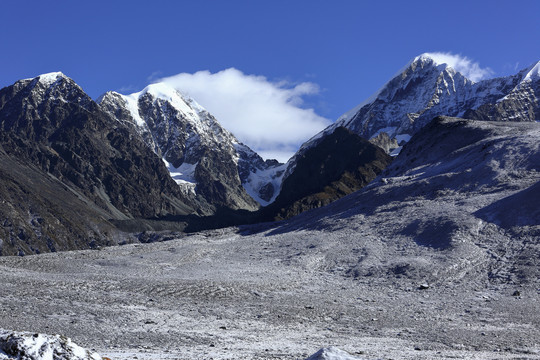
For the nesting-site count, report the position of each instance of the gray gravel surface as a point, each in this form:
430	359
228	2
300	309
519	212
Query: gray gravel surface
227	296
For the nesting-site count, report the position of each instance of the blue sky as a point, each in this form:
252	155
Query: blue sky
339	51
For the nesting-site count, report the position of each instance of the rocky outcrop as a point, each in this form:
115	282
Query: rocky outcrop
28	346
332	353
340	164
384	142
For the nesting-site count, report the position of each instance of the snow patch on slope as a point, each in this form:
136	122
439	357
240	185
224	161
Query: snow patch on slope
534	72
133	107
403	137
262	177
184	175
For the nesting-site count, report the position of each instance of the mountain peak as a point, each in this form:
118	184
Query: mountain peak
49	78
435	58
165	92
532	72
162	91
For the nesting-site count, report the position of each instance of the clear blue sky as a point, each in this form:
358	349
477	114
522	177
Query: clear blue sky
348	48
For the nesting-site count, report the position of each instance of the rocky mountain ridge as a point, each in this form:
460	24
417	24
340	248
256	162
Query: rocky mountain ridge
201	155
75	171
69	168
428	87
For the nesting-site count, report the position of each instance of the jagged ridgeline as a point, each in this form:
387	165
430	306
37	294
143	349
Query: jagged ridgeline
68	168
76	173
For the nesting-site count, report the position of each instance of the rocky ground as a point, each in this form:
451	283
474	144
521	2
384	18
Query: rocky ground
223	295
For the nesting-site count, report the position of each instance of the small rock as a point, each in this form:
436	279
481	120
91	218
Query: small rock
424	286
516	293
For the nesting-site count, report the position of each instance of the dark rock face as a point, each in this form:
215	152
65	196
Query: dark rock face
267	191
340	164
39	213
59	128
54	130
219	183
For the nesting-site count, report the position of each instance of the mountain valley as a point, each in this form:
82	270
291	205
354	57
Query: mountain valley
408	229
417	265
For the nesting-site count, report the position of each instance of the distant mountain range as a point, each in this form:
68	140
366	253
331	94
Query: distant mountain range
76	173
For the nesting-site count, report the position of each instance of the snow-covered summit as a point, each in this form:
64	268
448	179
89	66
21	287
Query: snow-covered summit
183	133
53	87
430	84
532	73
48	78
156	92
437	59
459	63
179	101
433	84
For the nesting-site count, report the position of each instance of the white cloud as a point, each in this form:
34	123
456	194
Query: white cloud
462	64
267	116
154	76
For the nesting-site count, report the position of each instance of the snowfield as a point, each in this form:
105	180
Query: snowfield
438	258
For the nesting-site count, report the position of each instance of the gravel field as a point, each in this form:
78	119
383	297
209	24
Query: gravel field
222	295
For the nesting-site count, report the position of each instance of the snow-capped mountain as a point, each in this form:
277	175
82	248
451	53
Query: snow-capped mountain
428	87
68	170
52	123
201	155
